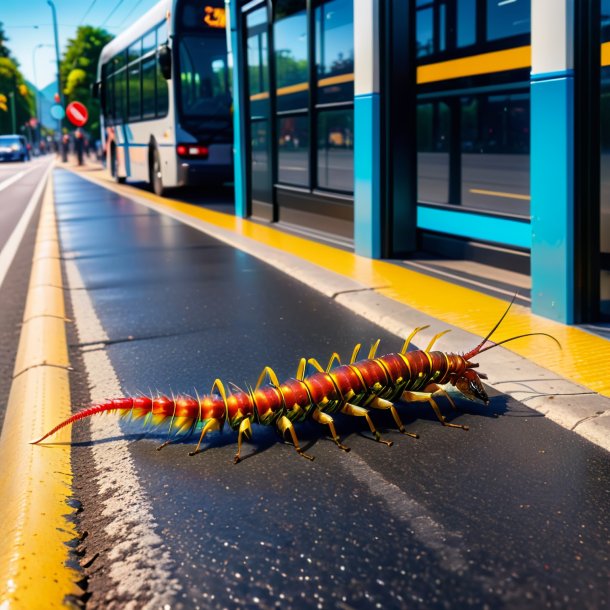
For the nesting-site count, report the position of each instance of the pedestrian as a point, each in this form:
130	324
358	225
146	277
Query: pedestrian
65	143
79	145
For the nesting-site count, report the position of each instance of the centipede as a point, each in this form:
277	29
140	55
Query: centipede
354	389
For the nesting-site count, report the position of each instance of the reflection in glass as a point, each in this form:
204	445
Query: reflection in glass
466	22
336	150
495	158
293	150
605	189
259	131
149	42
507	18
258	69
148	87
335	50
433	152
291	64
134	91
424	32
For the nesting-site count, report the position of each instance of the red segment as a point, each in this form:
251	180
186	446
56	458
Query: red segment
347	379
372	372
186	406
321	386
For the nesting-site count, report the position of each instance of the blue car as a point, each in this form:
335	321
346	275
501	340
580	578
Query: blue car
13	148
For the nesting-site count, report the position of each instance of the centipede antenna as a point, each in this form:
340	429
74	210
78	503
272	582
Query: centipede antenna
486	349
373	349
405	345
477	349
436	338
355	353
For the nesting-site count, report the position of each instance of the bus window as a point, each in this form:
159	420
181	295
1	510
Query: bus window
204	76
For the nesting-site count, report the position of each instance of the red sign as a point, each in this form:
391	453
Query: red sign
77	113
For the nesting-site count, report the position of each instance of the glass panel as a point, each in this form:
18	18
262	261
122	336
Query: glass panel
120	90
162	93
149	42
433	122
425	32
507	18
466	22
293	150
258	69
260	160
336	150
291	64
204	90
135	51
335	50
442	45
148	87
134	92
605	186
495	153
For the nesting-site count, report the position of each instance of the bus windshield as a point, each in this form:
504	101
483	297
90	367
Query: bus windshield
204	78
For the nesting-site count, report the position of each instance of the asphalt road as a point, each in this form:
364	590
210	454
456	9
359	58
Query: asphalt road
512	514
18	182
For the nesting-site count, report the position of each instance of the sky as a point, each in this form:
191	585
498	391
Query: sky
29	23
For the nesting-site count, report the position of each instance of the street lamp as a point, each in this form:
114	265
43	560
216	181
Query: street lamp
59	91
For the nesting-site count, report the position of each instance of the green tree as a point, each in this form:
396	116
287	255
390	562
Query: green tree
79	71
12	85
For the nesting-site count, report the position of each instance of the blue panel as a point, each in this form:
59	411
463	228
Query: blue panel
475	226
552	189
239	158
367	192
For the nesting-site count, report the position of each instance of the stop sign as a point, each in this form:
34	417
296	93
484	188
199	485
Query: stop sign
77	113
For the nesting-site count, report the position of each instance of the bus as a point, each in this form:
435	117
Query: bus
165	96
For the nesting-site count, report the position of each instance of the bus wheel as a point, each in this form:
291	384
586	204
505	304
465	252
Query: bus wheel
114	167
156	180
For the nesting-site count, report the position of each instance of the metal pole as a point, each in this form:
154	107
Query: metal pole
59	91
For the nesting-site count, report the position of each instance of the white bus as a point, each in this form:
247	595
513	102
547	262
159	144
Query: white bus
165	97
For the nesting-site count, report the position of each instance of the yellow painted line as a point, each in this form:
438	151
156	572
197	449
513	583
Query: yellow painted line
500	194
484	63
585	358
35	482
605	54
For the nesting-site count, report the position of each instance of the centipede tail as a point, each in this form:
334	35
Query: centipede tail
353	389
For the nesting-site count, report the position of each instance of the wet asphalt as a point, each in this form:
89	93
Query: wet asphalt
512	514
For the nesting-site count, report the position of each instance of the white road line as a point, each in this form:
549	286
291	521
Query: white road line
12	243
12	179
138	562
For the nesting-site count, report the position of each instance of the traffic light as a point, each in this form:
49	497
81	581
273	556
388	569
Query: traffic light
23	89
3	102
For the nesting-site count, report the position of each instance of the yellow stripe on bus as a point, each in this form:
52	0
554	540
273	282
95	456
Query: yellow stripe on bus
500	194
605	54
485	63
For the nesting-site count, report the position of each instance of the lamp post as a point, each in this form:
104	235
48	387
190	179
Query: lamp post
59	91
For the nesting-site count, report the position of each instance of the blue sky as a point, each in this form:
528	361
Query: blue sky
28	23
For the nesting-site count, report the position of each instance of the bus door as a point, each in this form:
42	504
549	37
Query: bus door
259	108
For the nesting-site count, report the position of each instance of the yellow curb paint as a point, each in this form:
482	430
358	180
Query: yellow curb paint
35	481
583	358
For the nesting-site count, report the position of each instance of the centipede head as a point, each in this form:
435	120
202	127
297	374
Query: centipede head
469	384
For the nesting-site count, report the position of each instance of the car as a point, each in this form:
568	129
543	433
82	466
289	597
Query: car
14	148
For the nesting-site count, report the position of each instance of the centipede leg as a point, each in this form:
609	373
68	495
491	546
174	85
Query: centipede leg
245	429
349	409
283	423
429	398
380	403
327	420
210	425
441	392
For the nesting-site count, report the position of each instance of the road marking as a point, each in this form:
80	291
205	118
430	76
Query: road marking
500	194
138	563
12	243
35	485
12	179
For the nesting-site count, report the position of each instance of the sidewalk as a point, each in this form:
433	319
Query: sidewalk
568	386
